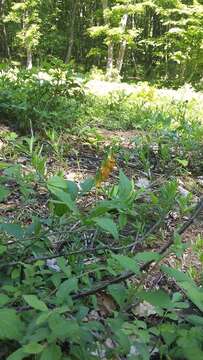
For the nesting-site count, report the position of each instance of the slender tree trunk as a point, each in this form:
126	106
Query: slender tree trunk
29	59
4	32
123	44
109	65
71	39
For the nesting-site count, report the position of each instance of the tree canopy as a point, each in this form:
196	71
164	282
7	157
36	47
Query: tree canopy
138	39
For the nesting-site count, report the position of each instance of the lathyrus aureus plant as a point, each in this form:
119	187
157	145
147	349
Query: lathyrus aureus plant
106	168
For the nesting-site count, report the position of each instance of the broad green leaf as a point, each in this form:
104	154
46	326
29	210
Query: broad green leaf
58	182
33	348
122	220
64	329
43	317
108	225
193	293
11	326
123	341
35	303
3	165
125	187
176	274
168	332
17	355
67	186
3	249
66	288
157	298
195	320
128	263
3	193
13	230
51	352
118	292
4	299
65	199
147	256
87	185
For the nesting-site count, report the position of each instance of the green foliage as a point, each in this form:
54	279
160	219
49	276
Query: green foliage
43	310
39	98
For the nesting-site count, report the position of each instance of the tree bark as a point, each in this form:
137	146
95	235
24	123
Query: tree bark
4	32
123	44
71	40
109	65
29	59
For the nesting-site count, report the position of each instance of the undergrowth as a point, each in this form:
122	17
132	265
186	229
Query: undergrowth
58	98
77	256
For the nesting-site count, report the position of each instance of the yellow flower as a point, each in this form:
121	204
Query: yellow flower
105	170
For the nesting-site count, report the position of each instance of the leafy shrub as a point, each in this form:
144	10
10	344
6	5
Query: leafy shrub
41	99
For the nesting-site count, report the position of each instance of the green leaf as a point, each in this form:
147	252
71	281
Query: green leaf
108	225
125	187
4	299
43	317
118	292
168	332
182	162
3	193
35	303
3	165
157	298
66	288
58	182
3	249
52	352
65	199
122	220
13	230
64	329
33	348
11	326
67	186
193	293
176	274
128	263
87	185
123	341
195	319
17	355
147	256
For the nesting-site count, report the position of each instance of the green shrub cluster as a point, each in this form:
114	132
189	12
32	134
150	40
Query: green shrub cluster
39	99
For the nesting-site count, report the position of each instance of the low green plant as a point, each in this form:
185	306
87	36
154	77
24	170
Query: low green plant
49	301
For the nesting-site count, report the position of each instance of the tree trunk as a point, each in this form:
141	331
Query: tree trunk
71	40
29	59
123	44
109	65
121	54
4	32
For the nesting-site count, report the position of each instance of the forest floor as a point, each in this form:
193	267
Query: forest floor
82	160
